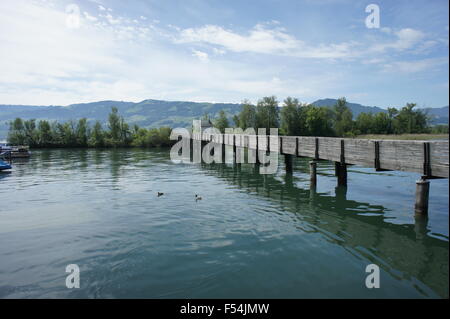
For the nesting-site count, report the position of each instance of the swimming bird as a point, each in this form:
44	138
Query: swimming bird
197	197
160	194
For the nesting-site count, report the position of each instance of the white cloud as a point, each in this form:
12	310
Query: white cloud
219	51
43	62
414	66
406	39
111	19
112	57
261	39
202	56
89	17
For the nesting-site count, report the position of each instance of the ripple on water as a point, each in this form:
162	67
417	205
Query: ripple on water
250	235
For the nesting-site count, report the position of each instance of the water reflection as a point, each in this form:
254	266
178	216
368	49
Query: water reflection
64	206
402	250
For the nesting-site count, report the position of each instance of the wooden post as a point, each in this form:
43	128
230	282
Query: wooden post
223	149
341	173
257	150
235	155
313	173
420	226
341	195
422	194
288	163
191	149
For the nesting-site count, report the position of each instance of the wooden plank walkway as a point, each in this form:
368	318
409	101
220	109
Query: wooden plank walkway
429	158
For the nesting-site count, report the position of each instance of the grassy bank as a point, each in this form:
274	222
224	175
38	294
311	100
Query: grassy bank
405	136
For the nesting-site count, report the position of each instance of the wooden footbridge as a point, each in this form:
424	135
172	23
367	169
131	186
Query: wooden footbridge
430	159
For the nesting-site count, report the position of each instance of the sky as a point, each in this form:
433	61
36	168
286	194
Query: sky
64	52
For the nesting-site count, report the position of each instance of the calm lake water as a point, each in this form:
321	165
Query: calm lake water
251	235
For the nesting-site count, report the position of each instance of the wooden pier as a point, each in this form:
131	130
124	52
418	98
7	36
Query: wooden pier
430	159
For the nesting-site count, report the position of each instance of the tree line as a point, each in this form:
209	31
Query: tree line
294	118
300	119
79	134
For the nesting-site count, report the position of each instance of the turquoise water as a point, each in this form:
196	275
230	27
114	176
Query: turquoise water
251	235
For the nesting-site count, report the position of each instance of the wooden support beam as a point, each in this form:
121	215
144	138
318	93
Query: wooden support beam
341	173
313	173
316	151
422	196
426	160
288	162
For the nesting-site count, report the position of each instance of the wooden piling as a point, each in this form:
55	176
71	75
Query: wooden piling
288	163
341	172
313	173
422	195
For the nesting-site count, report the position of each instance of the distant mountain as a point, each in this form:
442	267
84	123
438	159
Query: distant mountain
148	113
438	115
356	108
156	113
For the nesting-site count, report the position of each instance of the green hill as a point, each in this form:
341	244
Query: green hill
156	113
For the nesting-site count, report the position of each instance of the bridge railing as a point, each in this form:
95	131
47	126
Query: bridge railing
429	158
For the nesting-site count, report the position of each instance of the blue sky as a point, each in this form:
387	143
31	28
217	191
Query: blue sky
63	52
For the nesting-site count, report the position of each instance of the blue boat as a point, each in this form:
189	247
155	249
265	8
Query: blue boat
4	166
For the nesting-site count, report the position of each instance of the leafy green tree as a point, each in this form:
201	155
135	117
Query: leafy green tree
236	120
45	134
16	134
381	123
343	118
292	118
318	121
247	117
440	129
97	136
164	136
221	122
82	133
364	123
125	133
267	113
114	125
66	134
409	120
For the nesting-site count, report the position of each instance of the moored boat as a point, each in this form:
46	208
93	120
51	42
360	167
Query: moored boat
15	151
4	166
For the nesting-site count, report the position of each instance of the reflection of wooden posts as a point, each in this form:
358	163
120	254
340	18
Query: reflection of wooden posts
341	194
341	172
235	155
239	150
222	147
257	150
313	174
422	195
288	162
341	167
420	226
